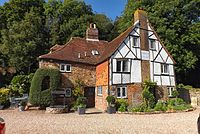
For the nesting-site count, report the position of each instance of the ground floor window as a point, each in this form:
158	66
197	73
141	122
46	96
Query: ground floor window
122	92
99	90
170	91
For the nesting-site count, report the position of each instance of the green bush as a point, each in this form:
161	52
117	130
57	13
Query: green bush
160	106
121	104
175	102
147	94
4	96
111	100
141	108
39	96
20	84
80	102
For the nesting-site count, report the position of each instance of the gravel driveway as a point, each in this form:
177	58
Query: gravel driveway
37	122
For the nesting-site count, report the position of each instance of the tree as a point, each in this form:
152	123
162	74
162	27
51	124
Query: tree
174	21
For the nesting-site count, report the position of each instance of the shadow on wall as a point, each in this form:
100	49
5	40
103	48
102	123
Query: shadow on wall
184	94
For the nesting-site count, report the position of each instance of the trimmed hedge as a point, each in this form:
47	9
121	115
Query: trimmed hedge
37	96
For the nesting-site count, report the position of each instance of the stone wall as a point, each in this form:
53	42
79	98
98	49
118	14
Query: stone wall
83	72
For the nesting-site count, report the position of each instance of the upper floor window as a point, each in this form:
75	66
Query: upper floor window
164	68
135	41
65	67
122	92
122	65
152	44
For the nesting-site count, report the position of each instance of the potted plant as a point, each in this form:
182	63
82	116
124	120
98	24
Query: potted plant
111	104
22	105
81	105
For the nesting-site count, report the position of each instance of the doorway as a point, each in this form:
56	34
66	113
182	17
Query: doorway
89	93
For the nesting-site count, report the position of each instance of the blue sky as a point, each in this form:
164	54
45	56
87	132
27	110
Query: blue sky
111	8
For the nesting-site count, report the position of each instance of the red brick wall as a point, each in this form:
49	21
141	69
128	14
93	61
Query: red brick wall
83	72
102	79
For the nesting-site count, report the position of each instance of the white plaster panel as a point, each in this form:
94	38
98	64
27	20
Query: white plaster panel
164	54
136	71
117	55
172	81
165	80
159	59
169	61
127	42
130	55
171	70
157	68
150	33
125	78
151	70
151	55
114	65
138	53
123	49
134	33
153	37
157	80
116	78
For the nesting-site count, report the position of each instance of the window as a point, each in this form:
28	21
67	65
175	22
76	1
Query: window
99	90
152	44
164	69
170	91
95	52
122	92
135	41
68	92
65	67
122	66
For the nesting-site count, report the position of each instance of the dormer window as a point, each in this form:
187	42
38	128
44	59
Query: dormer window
152	43
95	52
164	68
135	41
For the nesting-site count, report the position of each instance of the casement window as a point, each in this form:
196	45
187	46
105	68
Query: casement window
122	65
68	92
152	43
135	41
170	91
122	92
65	67
99	90
164	68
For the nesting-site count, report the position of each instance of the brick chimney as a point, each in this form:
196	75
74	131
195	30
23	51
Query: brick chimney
92	33
141	17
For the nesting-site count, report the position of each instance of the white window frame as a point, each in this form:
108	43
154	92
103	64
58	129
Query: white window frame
121	92
122	68
65	68
135	38
170	91
152	43
70	92
164	68
99	90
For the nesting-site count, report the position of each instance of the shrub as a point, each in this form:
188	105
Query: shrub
111	100
121	104
160	106
175	102
147	94
80	102
20	84
141	108
175	93
4	96
39	96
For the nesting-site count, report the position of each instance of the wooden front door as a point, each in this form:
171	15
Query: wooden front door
89	93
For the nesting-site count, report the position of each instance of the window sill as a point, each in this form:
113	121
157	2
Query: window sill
65	71
166	74
99	95
153	49
136	47
122	97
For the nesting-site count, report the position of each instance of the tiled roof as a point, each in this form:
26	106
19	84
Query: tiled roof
78	50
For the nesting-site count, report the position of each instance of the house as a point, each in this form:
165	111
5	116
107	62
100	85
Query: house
118	67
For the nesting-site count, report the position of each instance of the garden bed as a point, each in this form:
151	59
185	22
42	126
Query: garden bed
157	112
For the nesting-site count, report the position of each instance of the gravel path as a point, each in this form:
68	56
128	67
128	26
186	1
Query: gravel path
37	122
